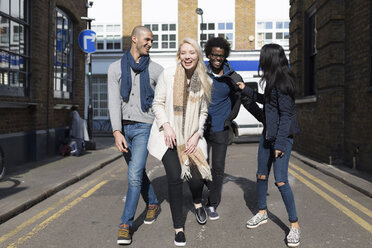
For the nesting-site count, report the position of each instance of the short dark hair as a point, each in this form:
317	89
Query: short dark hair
217	42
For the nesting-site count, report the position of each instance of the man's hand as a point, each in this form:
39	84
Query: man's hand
241	85
120	141
279	154
169	135
192	144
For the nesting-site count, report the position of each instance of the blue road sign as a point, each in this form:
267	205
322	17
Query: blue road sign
87	40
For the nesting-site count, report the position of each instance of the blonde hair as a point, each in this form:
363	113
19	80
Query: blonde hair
200	67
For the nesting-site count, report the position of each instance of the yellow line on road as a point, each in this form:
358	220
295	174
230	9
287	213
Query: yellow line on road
51	208
334	191
335	203
45	223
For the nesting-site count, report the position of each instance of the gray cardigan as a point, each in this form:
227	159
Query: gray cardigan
131	110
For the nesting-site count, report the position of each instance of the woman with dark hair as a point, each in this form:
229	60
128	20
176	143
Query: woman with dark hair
181	107
280	124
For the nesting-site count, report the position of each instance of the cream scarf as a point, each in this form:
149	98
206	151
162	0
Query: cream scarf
186	107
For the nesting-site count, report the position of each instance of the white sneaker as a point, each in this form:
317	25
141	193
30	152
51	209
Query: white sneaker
293	238
257	220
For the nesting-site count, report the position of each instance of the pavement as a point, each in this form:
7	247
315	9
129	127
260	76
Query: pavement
31	183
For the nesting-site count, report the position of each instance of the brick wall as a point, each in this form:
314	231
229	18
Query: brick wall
358	94
244	24
187	20
332	126
37	111
132	17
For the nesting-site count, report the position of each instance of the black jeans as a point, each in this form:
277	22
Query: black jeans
218	143
175	186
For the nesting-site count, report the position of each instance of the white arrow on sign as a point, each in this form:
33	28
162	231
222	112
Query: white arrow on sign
86	38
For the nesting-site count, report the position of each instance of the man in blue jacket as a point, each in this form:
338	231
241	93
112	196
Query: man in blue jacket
224	107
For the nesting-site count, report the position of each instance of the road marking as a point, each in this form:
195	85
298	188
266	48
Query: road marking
51	208
55	216
334	191
334	202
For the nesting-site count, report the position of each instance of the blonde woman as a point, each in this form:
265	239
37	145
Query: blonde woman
181	108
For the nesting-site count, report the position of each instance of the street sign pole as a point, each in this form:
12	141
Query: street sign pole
90	107
87	44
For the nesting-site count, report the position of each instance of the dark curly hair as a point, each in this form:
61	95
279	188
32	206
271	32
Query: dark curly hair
217	42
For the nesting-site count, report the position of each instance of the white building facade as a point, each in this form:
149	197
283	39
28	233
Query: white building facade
166	18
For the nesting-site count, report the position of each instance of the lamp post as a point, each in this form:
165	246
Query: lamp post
199	11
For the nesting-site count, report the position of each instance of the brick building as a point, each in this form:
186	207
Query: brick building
41	75
331	51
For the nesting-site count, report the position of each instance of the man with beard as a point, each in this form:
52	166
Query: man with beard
131	84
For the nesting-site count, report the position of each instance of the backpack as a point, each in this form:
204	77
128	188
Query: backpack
77	147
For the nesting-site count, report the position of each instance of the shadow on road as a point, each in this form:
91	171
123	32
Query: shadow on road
250	197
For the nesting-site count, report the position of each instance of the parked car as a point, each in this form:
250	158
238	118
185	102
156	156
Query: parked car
245	126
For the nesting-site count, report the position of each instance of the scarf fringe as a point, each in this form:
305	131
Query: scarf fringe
205	172
185	172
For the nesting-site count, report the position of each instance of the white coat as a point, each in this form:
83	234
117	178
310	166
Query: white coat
163	109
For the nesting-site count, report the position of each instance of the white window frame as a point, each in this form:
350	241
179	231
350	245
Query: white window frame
160	32
99	82
216	32
263	31
102	31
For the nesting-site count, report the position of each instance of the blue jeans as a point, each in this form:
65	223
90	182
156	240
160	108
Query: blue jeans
137	136
265	159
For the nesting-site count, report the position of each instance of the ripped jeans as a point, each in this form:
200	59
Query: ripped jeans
266	158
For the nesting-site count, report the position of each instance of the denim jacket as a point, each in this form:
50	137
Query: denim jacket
280	120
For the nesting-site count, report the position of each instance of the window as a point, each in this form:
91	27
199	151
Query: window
63	55
310	52
14	46
272	32
224	30
165	38
108	37
99	97
113	42
100	42
113	28
268	25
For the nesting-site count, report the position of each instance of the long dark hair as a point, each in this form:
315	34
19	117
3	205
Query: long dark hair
276	71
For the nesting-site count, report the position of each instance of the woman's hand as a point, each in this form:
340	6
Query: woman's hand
192	144
169	135
279	154
241	85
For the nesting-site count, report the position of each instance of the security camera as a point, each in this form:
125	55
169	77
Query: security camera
89	4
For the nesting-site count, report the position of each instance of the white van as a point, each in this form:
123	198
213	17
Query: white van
245	125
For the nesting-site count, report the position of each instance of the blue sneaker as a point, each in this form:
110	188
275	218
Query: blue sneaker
212	213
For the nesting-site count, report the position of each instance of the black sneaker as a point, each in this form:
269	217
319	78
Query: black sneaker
180	239
124	237
201	215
